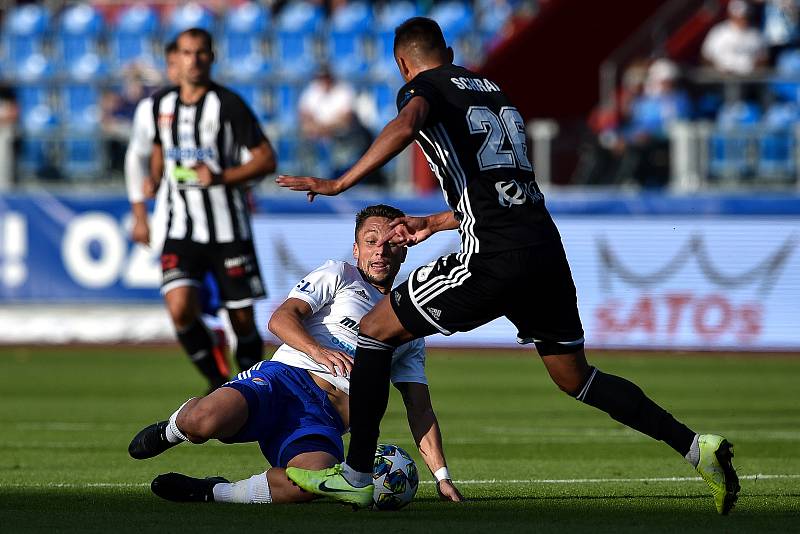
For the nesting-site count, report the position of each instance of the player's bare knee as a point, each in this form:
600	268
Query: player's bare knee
199	423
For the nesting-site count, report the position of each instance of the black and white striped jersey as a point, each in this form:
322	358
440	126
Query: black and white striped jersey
474	141
216	130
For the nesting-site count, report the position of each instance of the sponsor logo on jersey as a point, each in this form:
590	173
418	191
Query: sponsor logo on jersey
512	193
363	294
304	286
397	296
165	120
475	84
347	322
191	153
435	312
344	345
408	95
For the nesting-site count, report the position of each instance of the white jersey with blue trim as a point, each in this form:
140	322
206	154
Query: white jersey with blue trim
339	297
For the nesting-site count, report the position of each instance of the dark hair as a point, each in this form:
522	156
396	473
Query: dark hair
197	32
171	48
422	32
378	210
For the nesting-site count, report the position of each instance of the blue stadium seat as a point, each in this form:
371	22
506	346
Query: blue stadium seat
243	51
385	97
286	97
492	16
36	109
776	156
185	16
80	109
347	42
391	16
734	143
82	157
133	39
24	32
295	40
78	40
455	18
787	69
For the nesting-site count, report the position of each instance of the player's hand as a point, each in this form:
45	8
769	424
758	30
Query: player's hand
140	233
314	186
448	491
407	231
337	362
149	187
205	177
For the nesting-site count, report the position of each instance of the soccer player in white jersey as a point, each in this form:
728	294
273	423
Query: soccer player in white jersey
296	406
137	173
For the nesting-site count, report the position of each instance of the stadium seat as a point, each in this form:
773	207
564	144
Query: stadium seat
243	54
777	144
133	39
295	40
24	32
36	109
734	142
185	16
286	96
388	18
82	157
385	97
347	41
78	41
787	70
80	109
457	22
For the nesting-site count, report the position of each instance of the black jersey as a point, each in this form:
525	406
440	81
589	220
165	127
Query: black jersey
474	141
215	131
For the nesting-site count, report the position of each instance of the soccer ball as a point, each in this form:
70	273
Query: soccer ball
395	477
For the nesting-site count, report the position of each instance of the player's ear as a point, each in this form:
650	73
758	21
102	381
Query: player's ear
355	251
450	56
403	66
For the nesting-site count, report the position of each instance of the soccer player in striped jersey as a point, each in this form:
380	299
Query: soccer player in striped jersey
137	171
296	405
208	147
512	263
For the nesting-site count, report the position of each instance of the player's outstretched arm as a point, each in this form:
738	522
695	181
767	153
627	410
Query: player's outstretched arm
394	137
409	231
428	436
287	323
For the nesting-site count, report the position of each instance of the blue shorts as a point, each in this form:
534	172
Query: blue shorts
288	413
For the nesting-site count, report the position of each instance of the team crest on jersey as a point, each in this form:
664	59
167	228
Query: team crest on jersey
165	120
424	272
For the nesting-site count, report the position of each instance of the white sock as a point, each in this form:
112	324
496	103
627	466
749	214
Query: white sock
254	490
693	456
356	478
174	434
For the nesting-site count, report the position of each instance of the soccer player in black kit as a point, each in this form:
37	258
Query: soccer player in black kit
511	264
201	131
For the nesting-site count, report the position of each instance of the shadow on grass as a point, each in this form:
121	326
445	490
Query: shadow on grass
25	510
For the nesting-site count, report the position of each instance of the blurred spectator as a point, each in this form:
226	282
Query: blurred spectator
118	108
9	113
645	138
781	23
733	46
329	122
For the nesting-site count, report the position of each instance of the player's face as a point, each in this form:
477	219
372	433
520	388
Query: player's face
380	264
194	59
173	68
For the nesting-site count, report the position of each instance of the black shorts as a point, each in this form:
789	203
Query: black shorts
531	286
233	265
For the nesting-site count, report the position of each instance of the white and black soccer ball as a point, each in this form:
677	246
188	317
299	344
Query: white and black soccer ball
395	477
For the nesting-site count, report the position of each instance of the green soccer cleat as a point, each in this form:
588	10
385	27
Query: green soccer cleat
717	470
331	483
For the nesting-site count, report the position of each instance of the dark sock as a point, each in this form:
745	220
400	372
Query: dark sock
249	350
198	344
369	396
625	402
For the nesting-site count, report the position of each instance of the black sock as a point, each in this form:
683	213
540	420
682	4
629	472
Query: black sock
198	343
625	402
369	396
249	350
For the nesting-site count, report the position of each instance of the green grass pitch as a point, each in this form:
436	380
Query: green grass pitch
529	457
